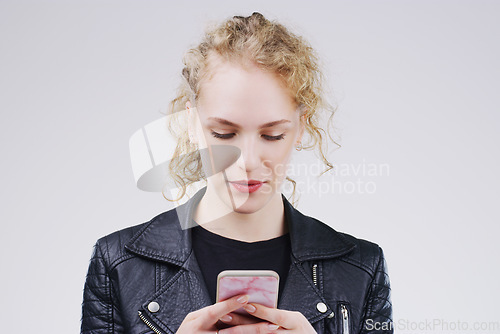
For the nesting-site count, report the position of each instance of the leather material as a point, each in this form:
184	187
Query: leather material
154	262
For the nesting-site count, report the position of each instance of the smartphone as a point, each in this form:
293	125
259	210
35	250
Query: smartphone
260	285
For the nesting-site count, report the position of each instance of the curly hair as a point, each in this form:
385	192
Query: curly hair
273	48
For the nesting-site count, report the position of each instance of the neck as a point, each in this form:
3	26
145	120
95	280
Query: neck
266	223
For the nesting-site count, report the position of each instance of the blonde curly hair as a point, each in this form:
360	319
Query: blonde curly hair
272	47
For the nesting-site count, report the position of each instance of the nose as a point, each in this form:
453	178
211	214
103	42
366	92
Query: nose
250	154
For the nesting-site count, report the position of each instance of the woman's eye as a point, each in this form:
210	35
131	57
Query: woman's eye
281	136
222	136
231	135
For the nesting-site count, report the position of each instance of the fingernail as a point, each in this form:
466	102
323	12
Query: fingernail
243	299
272	326
250	308
227	317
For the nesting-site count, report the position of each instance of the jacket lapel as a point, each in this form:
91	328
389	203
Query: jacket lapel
167	238
311	240
300	294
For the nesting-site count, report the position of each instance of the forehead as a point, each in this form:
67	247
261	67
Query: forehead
233	90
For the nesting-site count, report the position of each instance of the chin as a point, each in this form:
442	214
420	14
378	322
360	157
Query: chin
250	203
250	206
243	202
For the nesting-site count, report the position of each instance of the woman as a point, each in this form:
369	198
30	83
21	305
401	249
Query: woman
254	86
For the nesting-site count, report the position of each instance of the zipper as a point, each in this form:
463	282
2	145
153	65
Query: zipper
150	325
315	281
315	275
345	319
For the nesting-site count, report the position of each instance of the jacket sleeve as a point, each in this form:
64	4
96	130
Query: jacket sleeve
99	312
378	307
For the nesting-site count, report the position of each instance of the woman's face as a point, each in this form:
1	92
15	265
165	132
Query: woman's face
252	110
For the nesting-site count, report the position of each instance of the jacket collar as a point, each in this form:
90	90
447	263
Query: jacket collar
167	237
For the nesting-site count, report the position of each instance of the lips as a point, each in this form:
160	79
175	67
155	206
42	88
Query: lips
248	183
247	186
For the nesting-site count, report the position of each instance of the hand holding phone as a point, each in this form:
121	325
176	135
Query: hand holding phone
260	285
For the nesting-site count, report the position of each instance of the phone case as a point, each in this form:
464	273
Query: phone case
261	286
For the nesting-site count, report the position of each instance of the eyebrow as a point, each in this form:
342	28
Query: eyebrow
266	125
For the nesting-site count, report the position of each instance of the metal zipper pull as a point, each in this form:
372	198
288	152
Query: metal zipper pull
315	275
345	319
150	325
315	281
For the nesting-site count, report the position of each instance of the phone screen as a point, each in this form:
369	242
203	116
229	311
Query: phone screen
260	285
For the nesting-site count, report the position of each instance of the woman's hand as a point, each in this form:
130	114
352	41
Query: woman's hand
284	320
204	320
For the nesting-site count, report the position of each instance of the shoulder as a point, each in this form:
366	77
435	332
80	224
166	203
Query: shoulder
316	239
366	254
112	246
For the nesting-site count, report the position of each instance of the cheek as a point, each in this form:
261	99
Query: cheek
276	162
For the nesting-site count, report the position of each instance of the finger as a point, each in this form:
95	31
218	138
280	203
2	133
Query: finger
214	312
261	327
283	318
238	319
281	331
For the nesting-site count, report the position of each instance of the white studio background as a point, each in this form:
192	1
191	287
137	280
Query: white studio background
416	83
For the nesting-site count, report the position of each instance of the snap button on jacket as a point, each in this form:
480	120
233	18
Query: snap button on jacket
146	279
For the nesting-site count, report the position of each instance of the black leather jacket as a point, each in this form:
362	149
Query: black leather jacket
145	278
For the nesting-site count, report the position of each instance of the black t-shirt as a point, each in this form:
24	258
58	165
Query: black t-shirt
216	253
